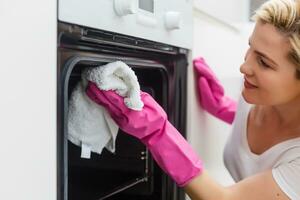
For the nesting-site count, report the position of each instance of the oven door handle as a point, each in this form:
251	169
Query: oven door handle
125	186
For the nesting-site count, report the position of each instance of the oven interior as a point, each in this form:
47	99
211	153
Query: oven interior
131	164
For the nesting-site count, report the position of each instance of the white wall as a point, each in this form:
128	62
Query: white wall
223	46
28	100
229	10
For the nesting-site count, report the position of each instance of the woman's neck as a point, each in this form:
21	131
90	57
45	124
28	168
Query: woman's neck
284	117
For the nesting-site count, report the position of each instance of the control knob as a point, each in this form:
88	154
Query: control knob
172	20
124	7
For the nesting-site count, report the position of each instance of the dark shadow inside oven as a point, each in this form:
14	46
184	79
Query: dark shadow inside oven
130	172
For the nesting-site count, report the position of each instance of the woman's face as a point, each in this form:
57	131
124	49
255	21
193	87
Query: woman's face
269	75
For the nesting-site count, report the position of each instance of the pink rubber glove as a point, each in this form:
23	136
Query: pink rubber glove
211	93
167	146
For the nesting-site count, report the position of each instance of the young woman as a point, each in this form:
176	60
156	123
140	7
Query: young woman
263	152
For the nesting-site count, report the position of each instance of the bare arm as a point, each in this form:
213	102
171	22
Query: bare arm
258	187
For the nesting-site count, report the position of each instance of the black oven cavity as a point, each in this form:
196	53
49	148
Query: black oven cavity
130	173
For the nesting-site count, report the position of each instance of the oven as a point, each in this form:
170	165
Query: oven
130	31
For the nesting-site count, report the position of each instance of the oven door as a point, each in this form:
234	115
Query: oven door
129	173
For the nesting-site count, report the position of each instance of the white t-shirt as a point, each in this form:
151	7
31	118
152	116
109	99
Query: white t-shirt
283	158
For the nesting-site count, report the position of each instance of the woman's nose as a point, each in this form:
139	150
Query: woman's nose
243	68
246	68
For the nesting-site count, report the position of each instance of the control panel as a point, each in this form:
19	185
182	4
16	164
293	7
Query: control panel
167	21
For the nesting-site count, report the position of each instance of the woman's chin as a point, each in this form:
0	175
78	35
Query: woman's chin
248	98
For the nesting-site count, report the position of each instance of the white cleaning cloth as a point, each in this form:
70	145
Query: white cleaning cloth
119	77
89	124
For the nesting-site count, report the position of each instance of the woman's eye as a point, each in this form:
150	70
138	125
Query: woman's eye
263	63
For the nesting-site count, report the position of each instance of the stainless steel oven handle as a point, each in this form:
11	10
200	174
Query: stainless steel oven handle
126	186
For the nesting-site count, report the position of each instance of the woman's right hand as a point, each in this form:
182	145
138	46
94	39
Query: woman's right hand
140	124
211	93
167	146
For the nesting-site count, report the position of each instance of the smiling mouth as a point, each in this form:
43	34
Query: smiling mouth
249	85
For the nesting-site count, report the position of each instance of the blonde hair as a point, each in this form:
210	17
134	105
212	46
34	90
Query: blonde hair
285	16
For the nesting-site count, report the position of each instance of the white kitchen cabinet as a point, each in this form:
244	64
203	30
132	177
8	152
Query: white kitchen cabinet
28	100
